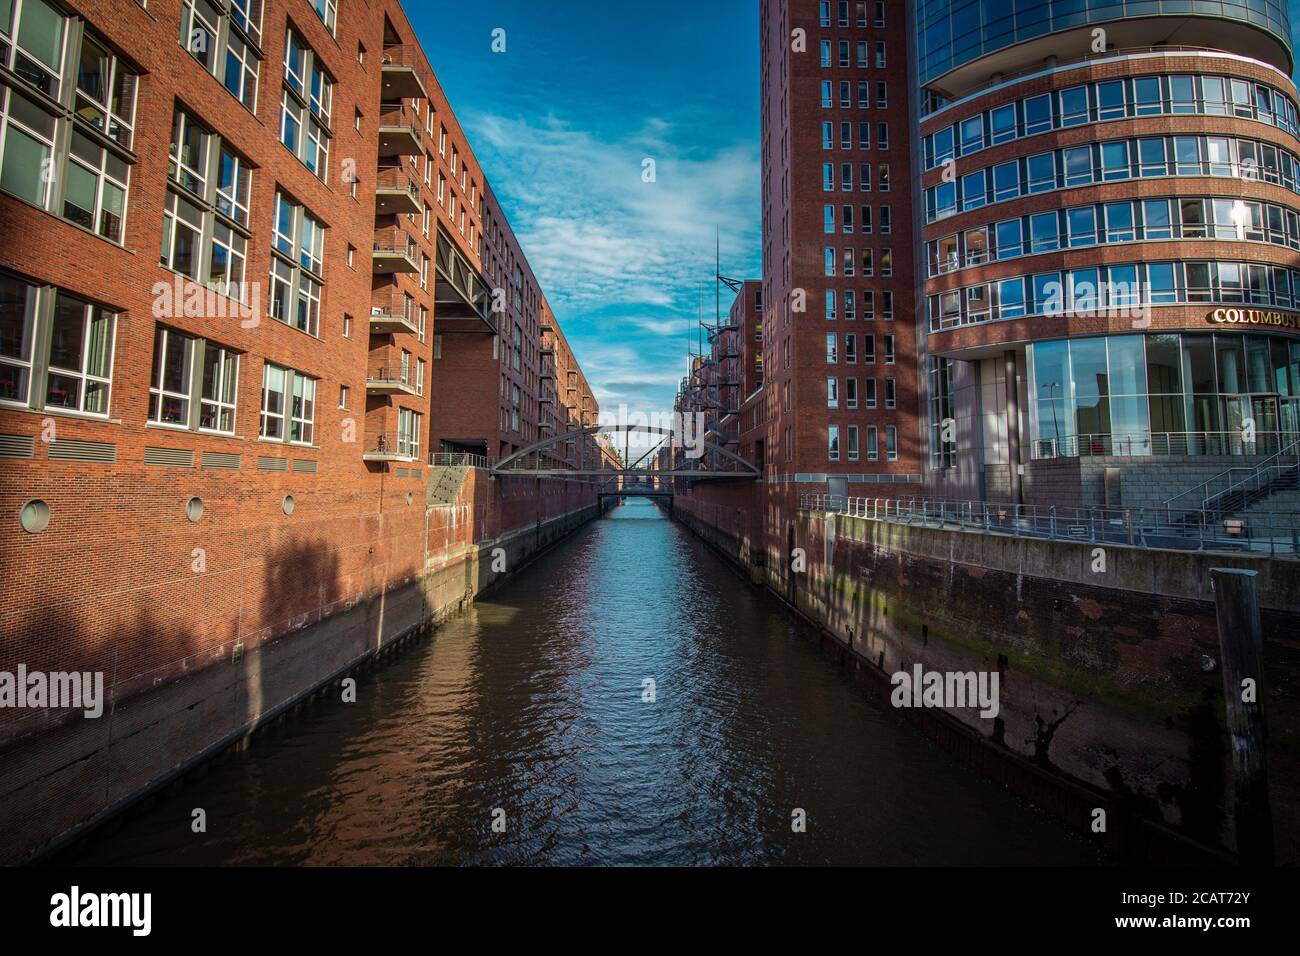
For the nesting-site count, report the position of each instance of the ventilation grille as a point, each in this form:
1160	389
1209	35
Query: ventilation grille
402	473
171	457
220	459
17	446
83	451
305	467
272	464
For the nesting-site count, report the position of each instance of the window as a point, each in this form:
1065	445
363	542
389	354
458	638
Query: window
288	405
832	393
1114	161
1146	96
94	190
1119	222
891	400
1038	114
832	348
408	433
1081	223
1042	172
1006	181
105	97
1074	106
305	106
207	195
296	266
828	135
1011	298
1078	165
225	43
192	373
1151	157
1044	232
882	95
38	31
1111	100
889	349
873	452
830	303
80	356
833	442
828	177
1009	239
1002	124
1156	221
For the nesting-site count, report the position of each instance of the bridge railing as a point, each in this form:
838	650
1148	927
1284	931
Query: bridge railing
457	459
1275	534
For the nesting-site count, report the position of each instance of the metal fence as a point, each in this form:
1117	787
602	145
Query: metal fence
1275	534
457	459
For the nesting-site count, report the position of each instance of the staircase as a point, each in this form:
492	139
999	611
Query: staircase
1248	489
445	482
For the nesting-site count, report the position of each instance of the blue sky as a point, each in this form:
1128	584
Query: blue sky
562	122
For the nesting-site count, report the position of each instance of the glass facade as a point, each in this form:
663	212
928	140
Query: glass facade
953	32
1164	394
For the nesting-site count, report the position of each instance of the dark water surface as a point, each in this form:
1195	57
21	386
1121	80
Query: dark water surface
531	703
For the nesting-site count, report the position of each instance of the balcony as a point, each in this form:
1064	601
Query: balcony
401	73
394	251
400	133
393	313
396	192
390	448
390	380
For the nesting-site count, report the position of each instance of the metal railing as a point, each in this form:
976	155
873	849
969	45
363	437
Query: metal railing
394	305
392	375
402	117
1130	444
457	459
1074	62
395	241
397	445
1275	534
395	177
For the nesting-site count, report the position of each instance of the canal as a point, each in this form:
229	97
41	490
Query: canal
529	710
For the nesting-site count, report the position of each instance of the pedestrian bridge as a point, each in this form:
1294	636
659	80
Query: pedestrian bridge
677	456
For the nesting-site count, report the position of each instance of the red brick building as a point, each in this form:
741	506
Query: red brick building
252	276
839	324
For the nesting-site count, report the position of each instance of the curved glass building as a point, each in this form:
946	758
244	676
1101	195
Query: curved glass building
961	42
1110	207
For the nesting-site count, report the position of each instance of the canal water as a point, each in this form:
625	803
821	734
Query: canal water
529	711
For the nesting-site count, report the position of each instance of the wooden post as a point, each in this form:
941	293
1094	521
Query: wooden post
1241	649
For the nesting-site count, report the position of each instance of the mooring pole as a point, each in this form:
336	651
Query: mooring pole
1241	649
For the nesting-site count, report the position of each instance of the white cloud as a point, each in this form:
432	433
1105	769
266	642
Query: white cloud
621	260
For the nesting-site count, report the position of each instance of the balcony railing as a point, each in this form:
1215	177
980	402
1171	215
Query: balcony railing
402	72
390	447
1160	444
393	313
400	132
1277	534
390	379
395	251
396	191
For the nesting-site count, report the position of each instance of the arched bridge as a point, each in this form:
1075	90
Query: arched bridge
679	457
